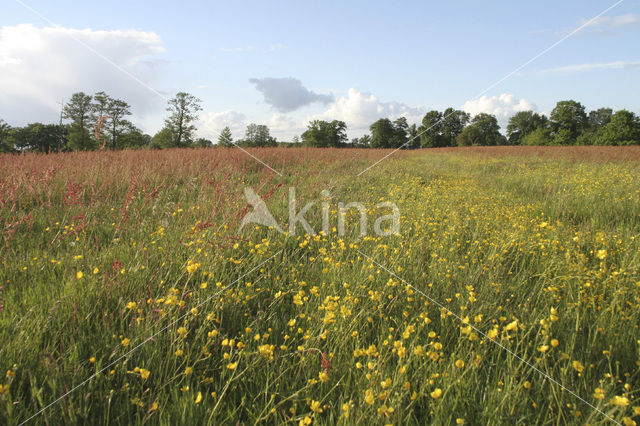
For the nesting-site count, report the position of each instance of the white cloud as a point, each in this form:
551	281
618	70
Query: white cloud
284	126
617	65
503	106
609	23
214	122
287	94
359	110
42	66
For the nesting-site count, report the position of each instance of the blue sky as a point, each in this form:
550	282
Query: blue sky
371	58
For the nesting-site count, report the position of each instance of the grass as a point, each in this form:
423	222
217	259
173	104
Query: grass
535	250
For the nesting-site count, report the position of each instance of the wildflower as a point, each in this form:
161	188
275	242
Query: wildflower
198	398
459	363
306	421
154	406
315	406
598	393
125	342
95	271
385	383
188	371
555	343
601	254
368	397
232	365
512	326
345	410
182	332
131	305
577	365
619	401
144	374
79	275
92	359
179	352
437	393
324	377
527	385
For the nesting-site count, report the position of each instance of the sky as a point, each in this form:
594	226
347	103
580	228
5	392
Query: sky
284	63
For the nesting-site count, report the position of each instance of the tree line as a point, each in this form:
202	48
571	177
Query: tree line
90	122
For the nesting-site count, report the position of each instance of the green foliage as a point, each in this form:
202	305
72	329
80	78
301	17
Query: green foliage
40	137
203	143
431	130
523	123
622	129
257	135
5	133
80	110
389	134
539	136
163	139
324	134
132	138
225	138
483	131
183	109
568	121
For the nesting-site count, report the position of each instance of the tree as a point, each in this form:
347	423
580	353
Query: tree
322	133
623	129
225	138
414	140
117	110
5	133
523	123
162	139
453	121
80	111
382	133
203	143
132	138
183	109
483	130
600	117
539	136
257	135
39	137
568	121
431	130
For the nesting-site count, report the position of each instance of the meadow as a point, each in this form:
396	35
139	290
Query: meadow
510	294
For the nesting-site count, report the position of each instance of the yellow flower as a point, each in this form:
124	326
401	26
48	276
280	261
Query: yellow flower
79	275
188	371
385	383
153	407
182	331
527	385
95	271
131	305
437	393
459	421
232	365
179	352
324	377
619	401
315	406
144	374
125	342
459	363
92	359
601	254
512	326
598	393
199	398
577	365
555	343
306	421
368	397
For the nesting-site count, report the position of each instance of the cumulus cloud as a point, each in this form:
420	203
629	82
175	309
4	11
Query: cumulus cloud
360	109
42	66
287	94
616	65
503	106
214	122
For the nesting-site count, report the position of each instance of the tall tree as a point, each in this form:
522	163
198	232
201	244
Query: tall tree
322	133
483	130
431	130
5	133
79	110
600	117
258	135
225	138
522	123
623	129
117	110
183	109
382	133
400	134
568	121
453	121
